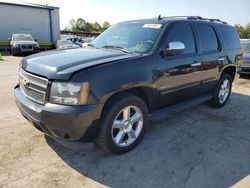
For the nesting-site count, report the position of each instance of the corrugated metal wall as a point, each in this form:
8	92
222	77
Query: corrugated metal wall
35	21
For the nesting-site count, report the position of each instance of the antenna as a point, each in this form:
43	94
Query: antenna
159	17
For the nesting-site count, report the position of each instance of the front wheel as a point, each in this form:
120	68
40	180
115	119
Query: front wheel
13	53
222	91
123	124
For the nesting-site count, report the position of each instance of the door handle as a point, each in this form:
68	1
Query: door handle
221	59
195	64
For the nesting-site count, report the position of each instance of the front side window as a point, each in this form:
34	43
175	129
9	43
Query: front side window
183	33
132	37
208	38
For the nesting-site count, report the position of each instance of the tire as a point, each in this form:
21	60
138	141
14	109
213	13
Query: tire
109	133
219	100
13	53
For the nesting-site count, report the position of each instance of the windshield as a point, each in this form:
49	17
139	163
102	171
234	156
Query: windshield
246	47
22	38
131	37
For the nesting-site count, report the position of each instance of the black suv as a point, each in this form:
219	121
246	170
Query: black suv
107	91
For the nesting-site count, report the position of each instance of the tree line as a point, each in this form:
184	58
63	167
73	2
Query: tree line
80	25
244	32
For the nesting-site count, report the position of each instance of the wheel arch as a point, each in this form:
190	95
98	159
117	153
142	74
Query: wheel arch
147	94
229	69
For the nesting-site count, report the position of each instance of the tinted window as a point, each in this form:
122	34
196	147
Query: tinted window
208	38
184	34
230	37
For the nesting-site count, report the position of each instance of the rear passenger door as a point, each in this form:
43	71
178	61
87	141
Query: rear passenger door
213	56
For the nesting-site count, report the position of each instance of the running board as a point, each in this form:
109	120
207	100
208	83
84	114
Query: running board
170	110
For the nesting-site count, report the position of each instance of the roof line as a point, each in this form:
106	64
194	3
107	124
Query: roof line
29	5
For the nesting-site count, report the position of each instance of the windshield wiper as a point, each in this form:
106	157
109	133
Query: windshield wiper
116	48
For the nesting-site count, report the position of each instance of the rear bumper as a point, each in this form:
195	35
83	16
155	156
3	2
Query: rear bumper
66	123
244	69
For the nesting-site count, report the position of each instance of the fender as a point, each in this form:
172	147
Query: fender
109	79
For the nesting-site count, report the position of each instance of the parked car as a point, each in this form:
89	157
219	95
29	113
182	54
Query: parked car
73	38
23	43
65	44
245	67
76	40
107	91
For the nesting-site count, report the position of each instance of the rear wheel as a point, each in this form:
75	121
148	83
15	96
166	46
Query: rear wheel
222	92
122	124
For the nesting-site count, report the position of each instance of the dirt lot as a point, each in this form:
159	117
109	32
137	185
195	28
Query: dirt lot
199	147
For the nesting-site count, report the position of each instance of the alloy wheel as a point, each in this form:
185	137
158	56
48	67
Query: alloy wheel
224	91
127	126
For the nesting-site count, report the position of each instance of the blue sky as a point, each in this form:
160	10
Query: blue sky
113	11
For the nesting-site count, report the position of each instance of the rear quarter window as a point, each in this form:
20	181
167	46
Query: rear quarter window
208	38
230	37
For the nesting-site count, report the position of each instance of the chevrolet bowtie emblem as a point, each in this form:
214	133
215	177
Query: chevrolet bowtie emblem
24	82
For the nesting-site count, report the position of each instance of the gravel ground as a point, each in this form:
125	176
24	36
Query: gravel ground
199	147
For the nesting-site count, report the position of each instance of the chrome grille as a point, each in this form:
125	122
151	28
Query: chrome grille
27	47
32	86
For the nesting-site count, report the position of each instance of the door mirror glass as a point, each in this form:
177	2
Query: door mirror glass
174	48
9	39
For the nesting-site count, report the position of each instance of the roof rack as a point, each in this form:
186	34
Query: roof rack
194	18
207	19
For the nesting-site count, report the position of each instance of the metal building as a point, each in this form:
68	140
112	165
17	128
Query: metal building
41	21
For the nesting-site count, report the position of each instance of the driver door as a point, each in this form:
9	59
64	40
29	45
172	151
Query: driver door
179	75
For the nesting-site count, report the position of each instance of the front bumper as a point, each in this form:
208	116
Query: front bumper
20	50
67	123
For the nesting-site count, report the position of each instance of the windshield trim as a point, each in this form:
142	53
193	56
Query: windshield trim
157	42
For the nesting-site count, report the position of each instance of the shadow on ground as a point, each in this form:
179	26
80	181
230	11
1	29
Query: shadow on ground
200	147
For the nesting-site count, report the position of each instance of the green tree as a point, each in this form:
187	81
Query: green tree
247	28
80	25
105	26
244	32
96	27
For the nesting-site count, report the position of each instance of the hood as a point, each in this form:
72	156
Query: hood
24	42
61	64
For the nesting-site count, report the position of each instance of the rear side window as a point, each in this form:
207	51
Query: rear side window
230	37
183	33
208	38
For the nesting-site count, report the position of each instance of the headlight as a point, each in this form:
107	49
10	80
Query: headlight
37	46
16	45
69	93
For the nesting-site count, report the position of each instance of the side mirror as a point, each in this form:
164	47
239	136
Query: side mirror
36	40
9	39
174	48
